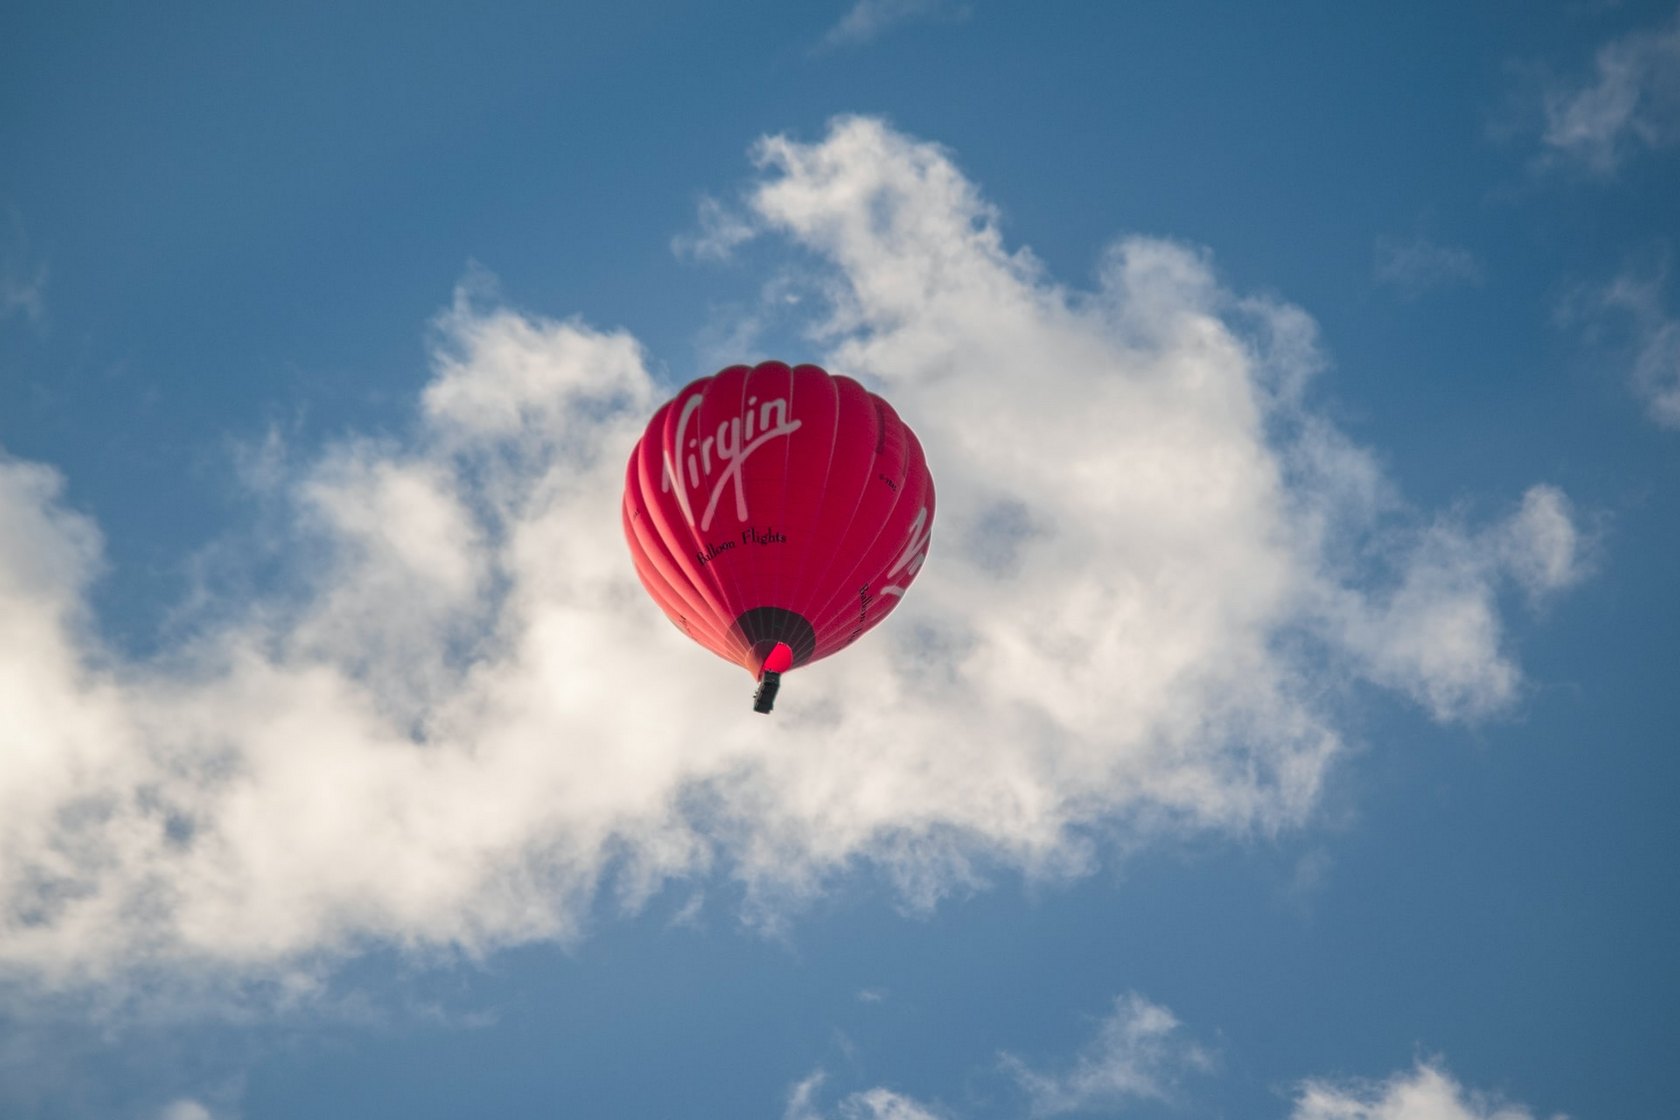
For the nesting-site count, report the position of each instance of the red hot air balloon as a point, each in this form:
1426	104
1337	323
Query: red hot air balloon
776	513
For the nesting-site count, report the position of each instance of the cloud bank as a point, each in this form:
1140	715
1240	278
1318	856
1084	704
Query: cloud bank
461	725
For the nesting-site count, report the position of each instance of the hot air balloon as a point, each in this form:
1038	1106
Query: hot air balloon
776	514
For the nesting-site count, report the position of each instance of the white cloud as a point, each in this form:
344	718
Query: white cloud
802	1098
1415	265
1140	1052
1427	1092
1632	103
1435	634
869	1104
868	20
461	719
1539	545
1656	372
721	230
185	1109
1630	319
884	1104
1639	302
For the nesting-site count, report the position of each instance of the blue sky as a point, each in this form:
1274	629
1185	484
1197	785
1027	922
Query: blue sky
1283	724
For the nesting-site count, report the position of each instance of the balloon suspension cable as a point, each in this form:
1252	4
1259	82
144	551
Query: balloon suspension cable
768	685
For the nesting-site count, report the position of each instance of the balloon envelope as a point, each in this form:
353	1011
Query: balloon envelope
777	513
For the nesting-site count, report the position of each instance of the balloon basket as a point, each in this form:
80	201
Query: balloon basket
765	698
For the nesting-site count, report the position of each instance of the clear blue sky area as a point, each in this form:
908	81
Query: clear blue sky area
227	229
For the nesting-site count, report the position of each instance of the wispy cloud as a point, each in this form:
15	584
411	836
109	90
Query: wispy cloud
23	278
802	1098
1656	342
1427	1092
1631	315
720	231
1416	265
438	736
1140	1052
868	20
1631	103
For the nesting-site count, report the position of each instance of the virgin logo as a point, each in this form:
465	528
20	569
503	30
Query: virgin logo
723	453
915	551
